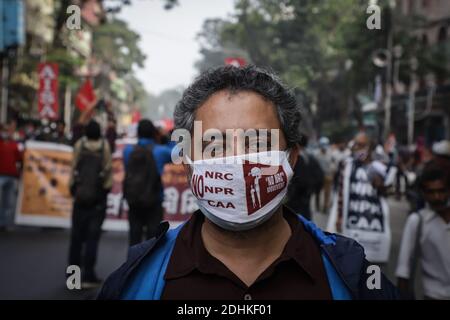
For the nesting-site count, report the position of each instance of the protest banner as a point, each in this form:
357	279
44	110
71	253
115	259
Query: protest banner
48	90
44	197
365	213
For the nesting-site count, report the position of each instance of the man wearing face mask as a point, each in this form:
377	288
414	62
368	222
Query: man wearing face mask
243	243
361	211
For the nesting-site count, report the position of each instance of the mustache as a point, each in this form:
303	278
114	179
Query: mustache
439	203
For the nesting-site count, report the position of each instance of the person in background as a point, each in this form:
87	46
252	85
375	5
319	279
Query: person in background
422	152
403	161
30	131
438	154
339	153
441	154
144	215
111	132
390	148
84	118
361	211
58	134
44	133
10	162
325	160
308	177
426	238
90	182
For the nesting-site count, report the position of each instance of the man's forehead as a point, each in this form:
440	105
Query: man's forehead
362	138
243	110
434	184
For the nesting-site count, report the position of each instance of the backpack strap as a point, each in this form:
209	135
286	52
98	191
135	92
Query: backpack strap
416	253
82	149
102	151
83	143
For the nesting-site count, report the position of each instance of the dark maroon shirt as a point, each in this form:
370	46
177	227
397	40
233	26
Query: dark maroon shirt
193	273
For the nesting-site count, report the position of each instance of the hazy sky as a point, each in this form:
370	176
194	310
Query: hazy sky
168	38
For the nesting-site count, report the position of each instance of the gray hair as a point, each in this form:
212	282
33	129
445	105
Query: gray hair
234	79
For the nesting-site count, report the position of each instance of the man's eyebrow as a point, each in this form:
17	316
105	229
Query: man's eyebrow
268	136
213	138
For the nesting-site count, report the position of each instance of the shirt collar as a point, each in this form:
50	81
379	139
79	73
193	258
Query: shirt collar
429	214
190	253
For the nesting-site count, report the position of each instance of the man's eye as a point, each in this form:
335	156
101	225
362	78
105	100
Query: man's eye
258	146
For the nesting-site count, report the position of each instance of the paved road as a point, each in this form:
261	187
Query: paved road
33	260
398	215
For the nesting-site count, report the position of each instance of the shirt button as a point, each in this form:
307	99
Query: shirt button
247	297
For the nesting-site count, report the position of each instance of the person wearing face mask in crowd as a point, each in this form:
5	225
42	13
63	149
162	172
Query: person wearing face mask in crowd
360	210
242	243
10	163
325	160
426	238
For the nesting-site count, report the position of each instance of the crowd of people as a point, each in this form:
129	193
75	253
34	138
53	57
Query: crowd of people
361	175
91	177
347	180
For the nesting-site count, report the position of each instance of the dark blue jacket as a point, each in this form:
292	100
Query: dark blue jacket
161	153
142	275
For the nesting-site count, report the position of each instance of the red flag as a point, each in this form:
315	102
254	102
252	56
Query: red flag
48	90
85	95
136	116
235	61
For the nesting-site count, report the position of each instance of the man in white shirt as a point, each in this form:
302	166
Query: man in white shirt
426	239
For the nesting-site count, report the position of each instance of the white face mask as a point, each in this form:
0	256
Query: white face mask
240	192
361	155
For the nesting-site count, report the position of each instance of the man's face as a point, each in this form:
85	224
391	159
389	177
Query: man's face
361	142
436	194
243	110
360	147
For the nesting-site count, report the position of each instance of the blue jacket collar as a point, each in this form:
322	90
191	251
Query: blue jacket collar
145	141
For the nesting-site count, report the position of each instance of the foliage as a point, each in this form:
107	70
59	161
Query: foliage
116	44
321	48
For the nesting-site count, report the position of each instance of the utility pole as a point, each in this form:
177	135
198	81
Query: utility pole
4	89
388	86
412	101
12	35
68	110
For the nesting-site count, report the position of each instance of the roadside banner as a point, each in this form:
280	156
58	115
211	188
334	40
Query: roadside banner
48	90
44	197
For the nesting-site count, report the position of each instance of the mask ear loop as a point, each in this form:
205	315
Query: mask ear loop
288	152
188	160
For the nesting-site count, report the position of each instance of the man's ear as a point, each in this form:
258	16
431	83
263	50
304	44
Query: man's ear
293	155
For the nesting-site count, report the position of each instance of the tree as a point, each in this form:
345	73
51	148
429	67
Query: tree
213	48
117	45
321	48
